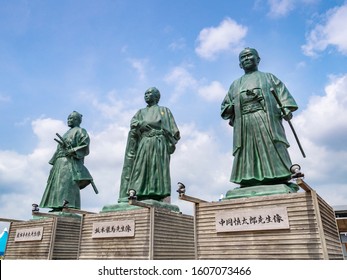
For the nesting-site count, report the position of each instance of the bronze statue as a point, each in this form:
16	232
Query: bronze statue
259	140
151	140
68	174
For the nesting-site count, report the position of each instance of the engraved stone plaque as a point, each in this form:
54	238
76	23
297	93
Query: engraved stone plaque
267	218
28	234
120	228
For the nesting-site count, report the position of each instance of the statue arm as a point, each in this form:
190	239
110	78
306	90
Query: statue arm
228	108
81	147
138	124
170	129
135	121
287	100
173	126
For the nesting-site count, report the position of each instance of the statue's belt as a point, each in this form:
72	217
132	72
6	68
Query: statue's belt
251	107
152	133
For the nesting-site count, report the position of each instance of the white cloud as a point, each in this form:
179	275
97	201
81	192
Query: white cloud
228	36
44	128
181	79
11	164
112	108
19	171
330	32
199	163
140	66
178	44
212	92
322	130
23	122
325	119
280	8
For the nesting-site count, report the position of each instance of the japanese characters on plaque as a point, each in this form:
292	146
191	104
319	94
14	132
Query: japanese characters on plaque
121	228
28	234
268	218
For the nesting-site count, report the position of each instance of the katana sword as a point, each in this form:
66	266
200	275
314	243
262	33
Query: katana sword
289	122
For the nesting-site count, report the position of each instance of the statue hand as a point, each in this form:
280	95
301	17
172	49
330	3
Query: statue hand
144	126
288	114
69	152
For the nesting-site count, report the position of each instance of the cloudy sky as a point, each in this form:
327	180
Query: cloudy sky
99	57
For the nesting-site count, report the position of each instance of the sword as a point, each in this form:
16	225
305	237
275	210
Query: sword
94	187
62	141
289	122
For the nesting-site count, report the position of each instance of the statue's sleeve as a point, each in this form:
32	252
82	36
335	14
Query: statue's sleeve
173	126
283	94
136	121
170	128
227	107
130	154
83	141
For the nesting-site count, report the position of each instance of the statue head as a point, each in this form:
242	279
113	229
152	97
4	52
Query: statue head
74	119
249	59
152	96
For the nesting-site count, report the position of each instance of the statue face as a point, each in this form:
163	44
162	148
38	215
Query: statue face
151	97
249	60
73	120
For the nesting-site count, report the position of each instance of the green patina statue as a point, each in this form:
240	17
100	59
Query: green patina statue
68	174
152	139
259	140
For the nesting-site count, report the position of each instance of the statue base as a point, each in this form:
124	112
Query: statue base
261	190
125	206
138	234
47	237
57	214
293	226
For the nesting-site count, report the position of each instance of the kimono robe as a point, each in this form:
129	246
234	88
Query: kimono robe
152	139
259	140
68	174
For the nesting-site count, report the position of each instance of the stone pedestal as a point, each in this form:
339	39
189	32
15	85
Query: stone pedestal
51	238
293	226
143	233
261	190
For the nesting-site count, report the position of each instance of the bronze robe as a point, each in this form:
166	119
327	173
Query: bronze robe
152	139
68	174
259	140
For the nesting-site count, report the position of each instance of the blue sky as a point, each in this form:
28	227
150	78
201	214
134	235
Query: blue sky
99	57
